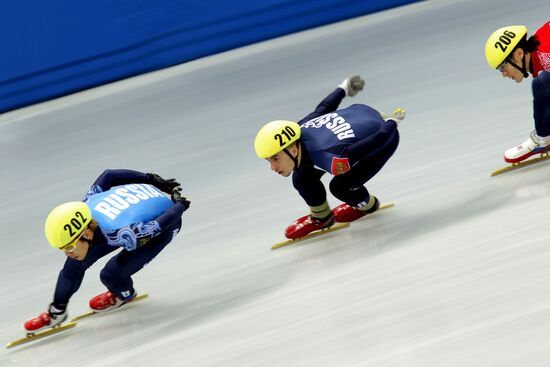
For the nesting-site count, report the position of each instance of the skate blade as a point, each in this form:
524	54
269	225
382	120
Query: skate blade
91	313
310	235
335	227
515	166
41	334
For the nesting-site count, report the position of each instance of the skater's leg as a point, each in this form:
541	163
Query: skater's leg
541	104
117	273
349	187
307	181
539	140
70	277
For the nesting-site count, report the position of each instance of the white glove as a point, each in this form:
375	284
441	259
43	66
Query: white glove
397	115
352	85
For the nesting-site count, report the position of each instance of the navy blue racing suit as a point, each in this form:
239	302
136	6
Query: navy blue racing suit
541	103
352	144
132	215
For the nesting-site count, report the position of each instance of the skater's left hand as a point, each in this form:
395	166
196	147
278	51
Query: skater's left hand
352	85
177	198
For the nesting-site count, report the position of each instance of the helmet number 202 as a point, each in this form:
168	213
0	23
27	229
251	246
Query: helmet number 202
287	133
75	224
505	40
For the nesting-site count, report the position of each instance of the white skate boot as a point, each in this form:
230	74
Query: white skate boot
534	145
397	115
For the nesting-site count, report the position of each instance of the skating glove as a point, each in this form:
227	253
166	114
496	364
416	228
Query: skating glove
164	185
352	85
177	198
397	115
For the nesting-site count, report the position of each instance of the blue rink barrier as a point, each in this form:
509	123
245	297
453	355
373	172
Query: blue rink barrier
54	48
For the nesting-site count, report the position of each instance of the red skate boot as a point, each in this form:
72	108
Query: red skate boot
108	301
45	320
345	213
307	224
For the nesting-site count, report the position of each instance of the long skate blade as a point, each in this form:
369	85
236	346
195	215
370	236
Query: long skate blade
385	206
91	313
41	334
516	166
335	227
381	207
310	235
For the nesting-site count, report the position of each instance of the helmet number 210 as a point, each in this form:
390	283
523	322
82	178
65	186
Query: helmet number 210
75	224
505	40
288	133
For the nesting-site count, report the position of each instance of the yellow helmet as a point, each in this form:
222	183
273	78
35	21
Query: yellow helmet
276	136
502	42
66	222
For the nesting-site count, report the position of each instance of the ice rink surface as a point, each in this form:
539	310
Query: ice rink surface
456	274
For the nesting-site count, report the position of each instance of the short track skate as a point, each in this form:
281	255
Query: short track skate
62	327
41	334
528	162
324	231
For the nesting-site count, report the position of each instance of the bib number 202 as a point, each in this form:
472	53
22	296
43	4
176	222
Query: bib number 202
75	224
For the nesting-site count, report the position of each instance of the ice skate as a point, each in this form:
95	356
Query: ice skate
307	224
397	115
45	320
534	145
107	301
345	213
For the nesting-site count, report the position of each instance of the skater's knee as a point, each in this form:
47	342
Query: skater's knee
340	187
108	275
336	185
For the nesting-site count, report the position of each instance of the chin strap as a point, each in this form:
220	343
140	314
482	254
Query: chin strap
294	159
523	69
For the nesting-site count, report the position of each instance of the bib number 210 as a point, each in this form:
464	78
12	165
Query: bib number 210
284	137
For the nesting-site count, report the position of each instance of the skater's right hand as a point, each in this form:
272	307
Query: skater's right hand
177	198
163	184
352	85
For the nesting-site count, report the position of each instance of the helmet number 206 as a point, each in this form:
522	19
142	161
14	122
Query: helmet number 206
505	40
75	224
287	133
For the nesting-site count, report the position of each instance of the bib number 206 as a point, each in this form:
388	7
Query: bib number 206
505	40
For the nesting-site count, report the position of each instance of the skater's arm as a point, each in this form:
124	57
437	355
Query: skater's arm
329	104
349	87
115	177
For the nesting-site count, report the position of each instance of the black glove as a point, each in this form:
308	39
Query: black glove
162	184
177	198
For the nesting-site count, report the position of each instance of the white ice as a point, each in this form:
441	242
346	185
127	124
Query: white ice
457	274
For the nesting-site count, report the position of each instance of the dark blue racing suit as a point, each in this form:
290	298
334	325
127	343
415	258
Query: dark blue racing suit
352	144
133	215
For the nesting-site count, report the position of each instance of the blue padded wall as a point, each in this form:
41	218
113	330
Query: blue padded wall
54	48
